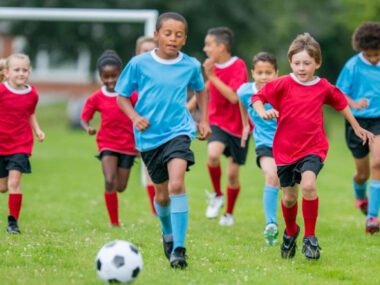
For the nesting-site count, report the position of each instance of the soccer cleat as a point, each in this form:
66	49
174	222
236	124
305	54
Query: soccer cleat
311	248
178	258
227	220
167	241
271	234
12	227
289	245
372	225
215	203
362	205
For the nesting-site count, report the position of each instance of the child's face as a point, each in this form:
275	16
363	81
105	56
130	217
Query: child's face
171	37
372	55
303	66
211	48
17	74
109	75
262	72
146	46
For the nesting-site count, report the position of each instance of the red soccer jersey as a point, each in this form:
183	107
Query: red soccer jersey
223	113
300	131
16	107
116	129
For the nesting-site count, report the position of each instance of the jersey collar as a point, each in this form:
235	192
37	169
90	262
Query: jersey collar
18	91
166	61
308	83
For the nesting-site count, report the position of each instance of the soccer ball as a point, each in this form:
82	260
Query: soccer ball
118	262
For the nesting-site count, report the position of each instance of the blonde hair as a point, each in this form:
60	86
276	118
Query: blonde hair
305	42
144	39
17	56
3	63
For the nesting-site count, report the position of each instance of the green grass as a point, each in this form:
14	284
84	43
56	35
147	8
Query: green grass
64	223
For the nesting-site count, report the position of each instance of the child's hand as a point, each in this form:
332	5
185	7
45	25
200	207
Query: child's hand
360	104
91	131
40	135
204	131
244	135
365	135
270	114
208	67
140	123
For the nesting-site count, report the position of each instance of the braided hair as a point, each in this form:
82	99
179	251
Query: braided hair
108	57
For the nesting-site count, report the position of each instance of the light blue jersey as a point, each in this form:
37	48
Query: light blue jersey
162	87
360	79
264	130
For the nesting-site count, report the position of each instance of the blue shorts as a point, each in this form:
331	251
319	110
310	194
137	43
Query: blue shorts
123	160
232	145
290	174
156	160
18	161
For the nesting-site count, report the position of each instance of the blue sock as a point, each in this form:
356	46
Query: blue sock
180	217
270	198
374	198
163	212
359	190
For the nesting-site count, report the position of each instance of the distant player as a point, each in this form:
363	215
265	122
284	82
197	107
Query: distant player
163	125
3	63
360	81
264	69
18	101
115	140
225	74
300	144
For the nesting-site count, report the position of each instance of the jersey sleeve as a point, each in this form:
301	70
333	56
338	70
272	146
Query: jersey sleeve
345	80
269	93
197	83
89	109
336	98
244	96
127	82
239	77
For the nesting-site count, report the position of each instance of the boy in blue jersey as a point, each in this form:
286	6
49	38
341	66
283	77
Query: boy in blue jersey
264	69
163	125
360	81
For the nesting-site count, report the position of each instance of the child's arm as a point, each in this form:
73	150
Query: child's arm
125	105
360	104
224	89
192	103
264	114
36	128
359	131
245	122
203	126
86	126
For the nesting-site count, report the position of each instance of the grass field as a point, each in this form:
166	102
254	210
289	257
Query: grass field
64	223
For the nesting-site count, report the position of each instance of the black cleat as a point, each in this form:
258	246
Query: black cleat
167	242
289	245
178	258
311	248
12	227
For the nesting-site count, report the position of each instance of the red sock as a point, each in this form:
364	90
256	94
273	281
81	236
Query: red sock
215	174
151	193
112	204
290	217
310	214
232	194
14	204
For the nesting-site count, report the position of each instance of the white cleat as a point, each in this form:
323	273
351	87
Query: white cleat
215	203
227	220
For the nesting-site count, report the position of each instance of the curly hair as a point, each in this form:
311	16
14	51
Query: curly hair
366	36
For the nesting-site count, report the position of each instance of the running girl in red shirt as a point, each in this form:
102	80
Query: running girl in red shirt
18	102
300	144
115	138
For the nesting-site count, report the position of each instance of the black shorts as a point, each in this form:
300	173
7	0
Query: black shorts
290	174
123	160
19	161
263	151
156	160
354	143
232	145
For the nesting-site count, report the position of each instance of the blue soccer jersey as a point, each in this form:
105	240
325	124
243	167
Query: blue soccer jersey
162	86
264	130
360	79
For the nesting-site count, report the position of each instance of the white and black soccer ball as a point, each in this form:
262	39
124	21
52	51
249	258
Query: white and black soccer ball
119	261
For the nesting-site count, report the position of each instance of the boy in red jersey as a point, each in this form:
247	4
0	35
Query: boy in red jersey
300	144
115	137
225	74
18	102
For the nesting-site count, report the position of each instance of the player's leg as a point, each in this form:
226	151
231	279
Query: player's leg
110	172
270	198
14	201
150	189
3	175
3	185
124	166
372	224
